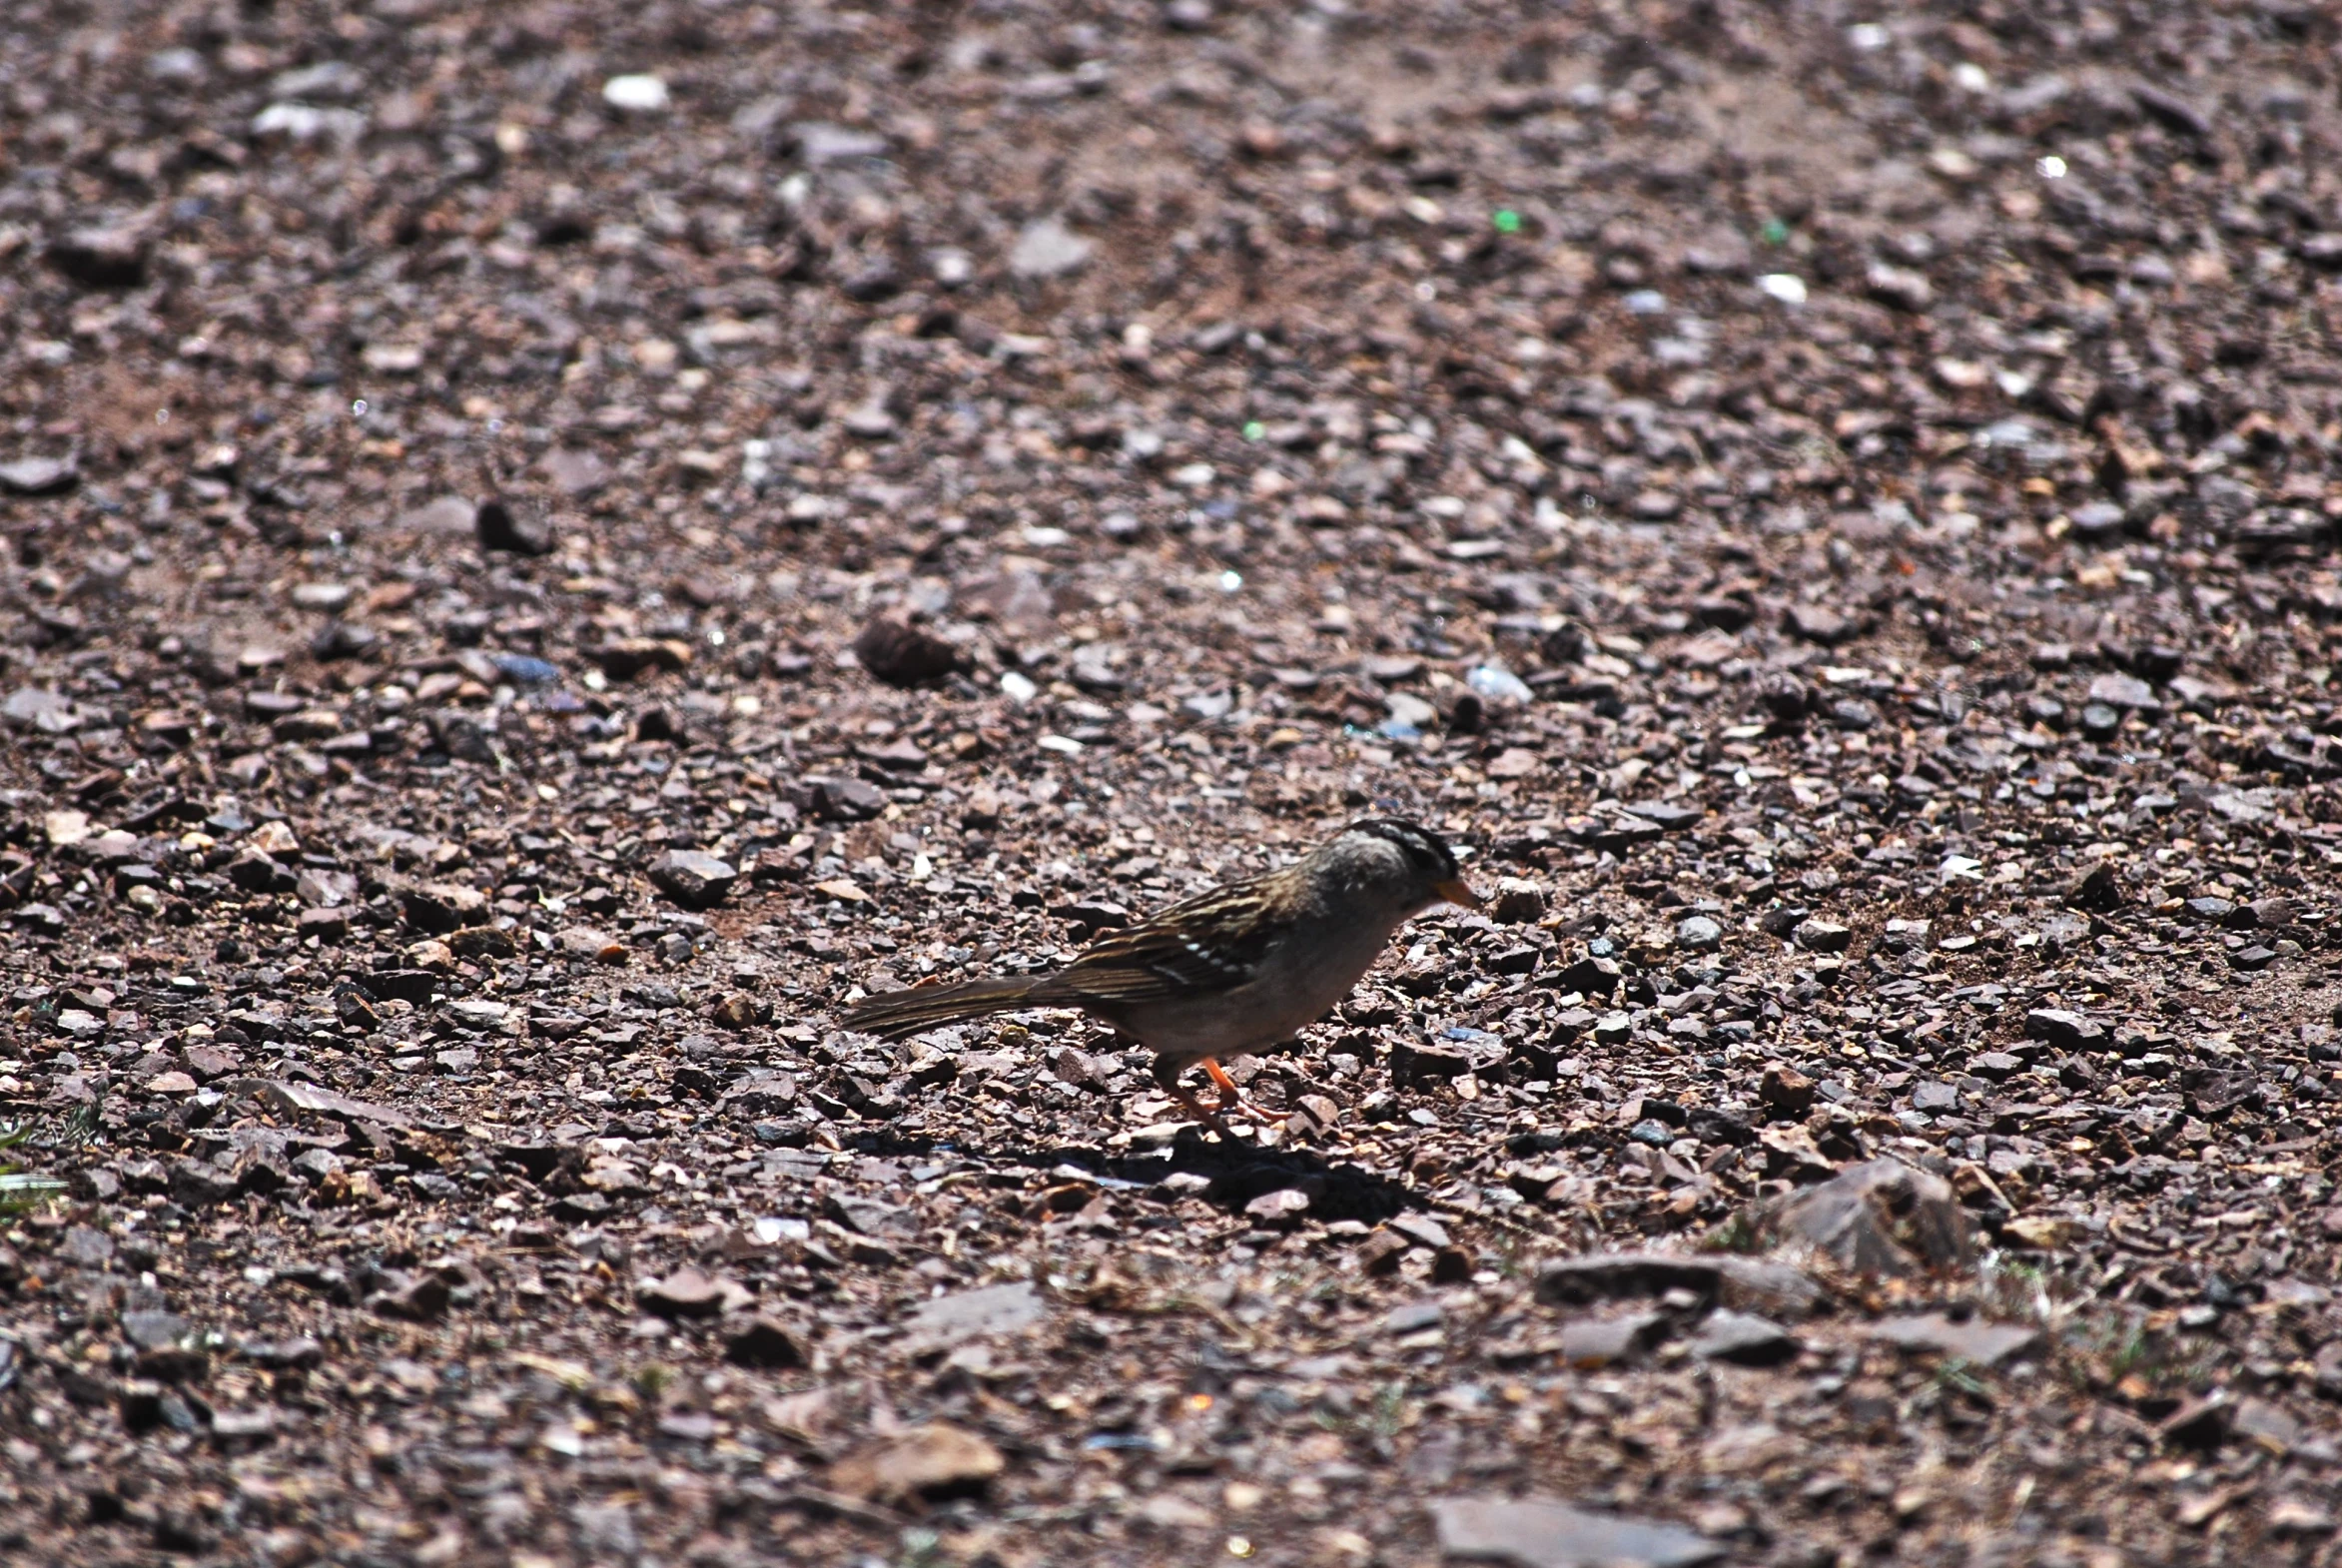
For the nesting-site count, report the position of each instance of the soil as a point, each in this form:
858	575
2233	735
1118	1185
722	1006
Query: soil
551	548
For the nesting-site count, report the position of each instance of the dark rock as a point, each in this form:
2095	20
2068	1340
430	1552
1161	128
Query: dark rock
101	258
692	878
902	654
2065	1030
847	799
512	528
2098	890
766	1344
1744	1339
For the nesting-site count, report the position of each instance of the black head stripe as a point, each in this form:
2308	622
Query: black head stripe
1425	850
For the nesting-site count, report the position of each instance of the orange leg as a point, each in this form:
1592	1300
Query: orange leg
1232	1098
1166	1078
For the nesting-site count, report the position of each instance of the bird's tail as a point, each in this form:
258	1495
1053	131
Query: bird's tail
897	1015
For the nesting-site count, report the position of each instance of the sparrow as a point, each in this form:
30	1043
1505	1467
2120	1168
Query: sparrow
1231	971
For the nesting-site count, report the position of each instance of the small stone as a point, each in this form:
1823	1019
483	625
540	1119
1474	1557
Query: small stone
38	475
1823	936
847	799
1048	249
2117	690
693	879
589	942
1699	934
1973	1340
2065	1030
1533	1532
688	1292
1786	1091
1590	1343
1518	901
511	527
766	1344
969	1314
101	258
1412	1318
635	94
2097	890
1819	623
934	1462
1881	1218
1278	1211
905	655
1744	1339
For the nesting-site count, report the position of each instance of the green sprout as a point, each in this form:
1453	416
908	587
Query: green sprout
1507	221
19	1189
1255	430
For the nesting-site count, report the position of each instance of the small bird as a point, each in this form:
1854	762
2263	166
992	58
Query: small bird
1231	971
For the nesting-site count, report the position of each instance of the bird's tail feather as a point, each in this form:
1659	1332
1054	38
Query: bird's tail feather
897	1015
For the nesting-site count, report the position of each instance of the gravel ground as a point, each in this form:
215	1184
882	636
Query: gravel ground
550	548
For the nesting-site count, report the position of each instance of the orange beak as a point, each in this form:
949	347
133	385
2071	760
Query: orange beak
1459	892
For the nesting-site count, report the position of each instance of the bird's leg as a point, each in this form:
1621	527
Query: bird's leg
1167	1079
1232	1098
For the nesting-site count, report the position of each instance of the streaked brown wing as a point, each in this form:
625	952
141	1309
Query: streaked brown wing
1213	942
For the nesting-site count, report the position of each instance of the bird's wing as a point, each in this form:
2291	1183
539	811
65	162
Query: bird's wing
1213	942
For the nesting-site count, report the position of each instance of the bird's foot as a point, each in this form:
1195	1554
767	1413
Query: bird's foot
1232	1098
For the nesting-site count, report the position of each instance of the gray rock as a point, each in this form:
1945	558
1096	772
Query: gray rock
971	1314
1541	1533
1588	1343
38	475
1048	249
2122	691
693	879
1880	1217
1744	1339
1699	934
35	707
1977	1343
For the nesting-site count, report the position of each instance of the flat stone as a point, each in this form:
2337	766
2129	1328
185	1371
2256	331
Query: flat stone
2065	1030
971	1314
693	879
1413	1317
691	1292
38	475
2117	690
1880	1217
765	1343
1048	249
1744	1339
1823	936
1588	1343
932	1462
1542	1534
1819	623
154	1330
